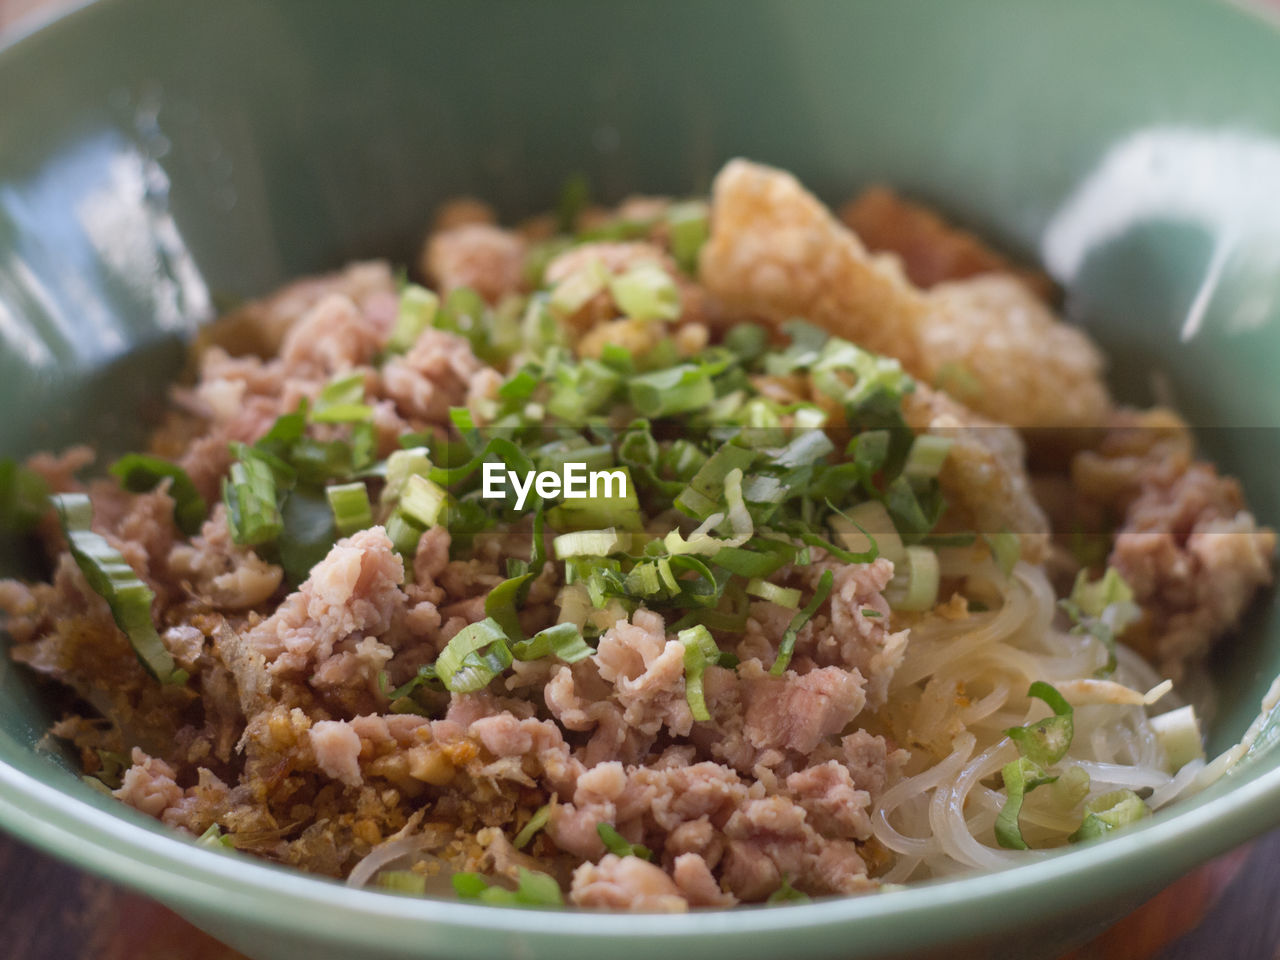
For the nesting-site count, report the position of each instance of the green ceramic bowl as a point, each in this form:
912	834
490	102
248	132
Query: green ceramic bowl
155	155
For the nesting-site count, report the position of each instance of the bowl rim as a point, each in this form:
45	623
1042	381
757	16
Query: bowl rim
128	848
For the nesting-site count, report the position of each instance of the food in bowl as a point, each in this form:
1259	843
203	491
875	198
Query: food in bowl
679	555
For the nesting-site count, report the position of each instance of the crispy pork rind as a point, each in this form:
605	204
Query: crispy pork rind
776	252
1021	364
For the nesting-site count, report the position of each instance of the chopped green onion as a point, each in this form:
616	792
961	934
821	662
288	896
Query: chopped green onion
699	650
476	655
1104	610
788	644
928	454
867	527
747	340
919	590
418	307
702	496
403	881
111	578
138	473
1178	732
646	292
618	505
688	226
1094	598
401	465
214	839
1006	550
581	389
350	505
1109	812
588	543
426	676
24	497
308	532
342	400
782	596
617	844
572	293
737	516
1046	741
673	390
404	534
249	491
786	893
536	822
1021	776
532	890
563	641
422	500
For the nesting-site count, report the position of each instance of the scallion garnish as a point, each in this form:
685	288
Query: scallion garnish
350	505
563	641
536	823
788	645
111	578
249	491
646	292
139	473
1046	741
1020	776
915	588
403	881
1041	744
417	312
700	649
928	454
782	596
688	226
1103	609
673	390
1006	550
1109	812
342	400
786	893
475	655
533	889
617	844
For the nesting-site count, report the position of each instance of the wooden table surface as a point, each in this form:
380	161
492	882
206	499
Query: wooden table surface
1229	909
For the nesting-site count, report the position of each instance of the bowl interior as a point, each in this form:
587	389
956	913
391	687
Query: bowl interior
210	152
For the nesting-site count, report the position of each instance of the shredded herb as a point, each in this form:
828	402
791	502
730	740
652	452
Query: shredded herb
788	645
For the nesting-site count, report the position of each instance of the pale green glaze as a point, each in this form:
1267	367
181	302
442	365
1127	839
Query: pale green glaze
154	154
